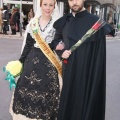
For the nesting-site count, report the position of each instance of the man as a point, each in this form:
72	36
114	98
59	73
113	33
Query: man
5	20
17	19
84	79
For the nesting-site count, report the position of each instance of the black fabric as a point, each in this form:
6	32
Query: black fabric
29	44
16	17
84	80
59	24
37	93
61	28
6	15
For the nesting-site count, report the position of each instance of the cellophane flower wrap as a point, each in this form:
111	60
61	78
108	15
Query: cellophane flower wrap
98	25
13	70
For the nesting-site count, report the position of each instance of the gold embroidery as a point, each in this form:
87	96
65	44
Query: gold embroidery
33	78
49	101
35	60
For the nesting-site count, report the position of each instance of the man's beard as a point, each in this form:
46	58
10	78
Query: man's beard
76	10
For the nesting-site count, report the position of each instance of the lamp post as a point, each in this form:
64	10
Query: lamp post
20	17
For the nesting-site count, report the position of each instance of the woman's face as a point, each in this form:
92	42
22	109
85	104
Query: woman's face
31	10
47	7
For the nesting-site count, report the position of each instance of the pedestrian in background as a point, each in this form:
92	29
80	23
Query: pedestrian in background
111	23
23	19
30	14
17	19
12	23
1	20
5	19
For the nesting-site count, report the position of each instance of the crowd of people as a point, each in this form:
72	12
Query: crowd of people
10	20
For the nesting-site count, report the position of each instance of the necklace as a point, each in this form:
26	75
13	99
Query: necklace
45	26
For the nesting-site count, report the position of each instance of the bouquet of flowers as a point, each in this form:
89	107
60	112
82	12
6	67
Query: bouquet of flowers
98	25
13	70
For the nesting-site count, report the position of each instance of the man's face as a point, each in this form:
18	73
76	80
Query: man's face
76	5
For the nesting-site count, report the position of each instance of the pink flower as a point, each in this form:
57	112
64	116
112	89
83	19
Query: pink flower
96	26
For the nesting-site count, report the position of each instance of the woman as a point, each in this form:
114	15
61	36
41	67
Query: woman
37	92
30	14
12	24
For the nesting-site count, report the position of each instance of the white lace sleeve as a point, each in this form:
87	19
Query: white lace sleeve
50	36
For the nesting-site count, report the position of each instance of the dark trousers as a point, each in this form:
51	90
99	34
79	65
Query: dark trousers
5	26
13	31
23	25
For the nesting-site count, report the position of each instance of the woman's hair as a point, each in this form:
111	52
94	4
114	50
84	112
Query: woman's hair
42	1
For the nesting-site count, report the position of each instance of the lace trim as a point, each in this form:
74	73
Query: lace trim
38	104
48	101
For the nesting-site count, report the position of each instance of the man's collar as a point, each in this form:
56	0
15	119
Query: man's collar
81	13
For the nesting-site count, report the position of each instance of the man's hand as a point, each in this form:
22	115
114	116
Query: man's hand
66	54
60	46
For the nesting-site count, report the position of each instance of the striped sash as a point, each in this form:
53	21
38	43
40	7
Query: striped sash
44	46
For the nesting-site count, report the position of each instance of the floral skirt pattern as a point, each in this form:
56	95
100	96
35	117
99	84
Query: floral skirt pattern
37	93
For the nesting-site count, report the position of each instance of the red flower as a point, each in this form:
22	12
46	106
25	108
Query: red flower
65	61
96	26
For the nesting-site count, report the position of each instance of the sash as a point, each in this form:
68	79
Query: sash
44	46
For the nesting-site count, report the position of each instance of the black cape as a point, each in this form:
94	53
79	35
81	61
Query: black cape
84	80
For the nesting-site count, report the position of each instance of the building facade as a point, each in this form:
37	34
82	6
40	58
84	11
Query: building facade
29	3
98	7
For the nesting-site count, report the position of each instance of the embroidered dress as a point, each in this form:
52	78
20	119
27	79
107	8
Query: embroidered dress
36	96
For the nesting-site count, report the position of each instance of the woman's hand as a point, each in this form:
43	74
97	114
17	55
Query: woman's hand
66	54
60	46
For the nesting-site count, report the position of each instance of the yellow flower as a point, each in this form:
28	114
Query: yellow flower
14	67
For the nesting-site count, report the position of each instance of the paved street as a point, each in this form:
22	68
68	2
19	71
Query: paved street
10	50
